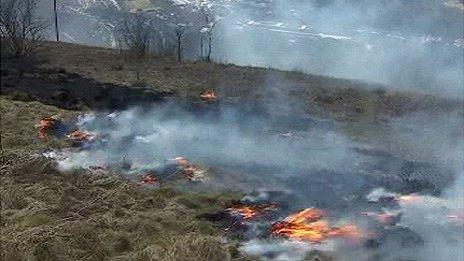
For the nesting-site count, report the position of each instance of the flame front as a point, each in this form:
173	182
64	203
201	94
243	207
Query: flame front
250	212
308	225
247	212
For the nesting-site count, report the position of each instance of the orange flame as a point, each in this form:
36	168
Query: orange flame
189	171
208	96
250	212
148	179
308	225
80	136
45	126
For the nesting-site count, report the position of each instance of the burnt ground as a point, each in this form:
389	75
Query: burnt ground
70	75
22	80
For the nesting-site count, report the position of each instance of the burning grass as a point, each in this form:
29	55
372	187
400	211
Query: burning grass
149	179
249	212
80	136
91	214
45	126
189	170
308	225
208	96
19	127
51	215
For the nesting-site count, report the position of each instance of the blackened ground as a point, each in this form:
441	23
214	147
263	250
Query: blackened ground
23	80
76	70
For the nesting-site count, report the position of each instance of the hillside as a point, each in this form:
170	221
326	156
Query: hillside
49	214
63	67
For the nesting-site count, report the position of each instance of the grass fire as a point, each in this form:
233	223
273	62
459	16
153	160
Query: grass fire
309	225
249	212
220	130
208	96
46	126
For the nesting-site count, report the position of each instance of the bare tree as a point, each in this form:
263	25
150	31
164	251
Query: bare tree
136	31
206	10
163	37
179	30
20	26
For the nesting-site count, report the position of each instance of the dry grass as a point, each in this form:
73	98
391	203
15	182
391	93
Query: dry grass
18	131
49	215
324	96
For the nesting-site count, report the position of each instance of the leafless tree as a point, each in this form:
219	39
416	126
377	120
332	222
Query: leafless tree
20	27
179	30
136	31
206	10
163	40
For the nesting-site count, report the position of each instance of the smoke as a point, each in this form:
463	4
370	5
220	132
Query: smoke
376	41
225	139
299	162
439	221
274	151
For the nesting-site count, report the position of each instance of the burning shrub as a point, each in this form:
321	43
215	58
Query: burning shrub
208	96
308	225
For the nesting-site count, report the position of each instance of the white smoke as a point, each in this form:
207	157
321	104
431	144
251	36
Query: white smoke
314	166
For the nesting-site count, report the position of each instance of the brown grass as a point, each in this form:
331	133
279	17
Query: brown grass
18	131
50	215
